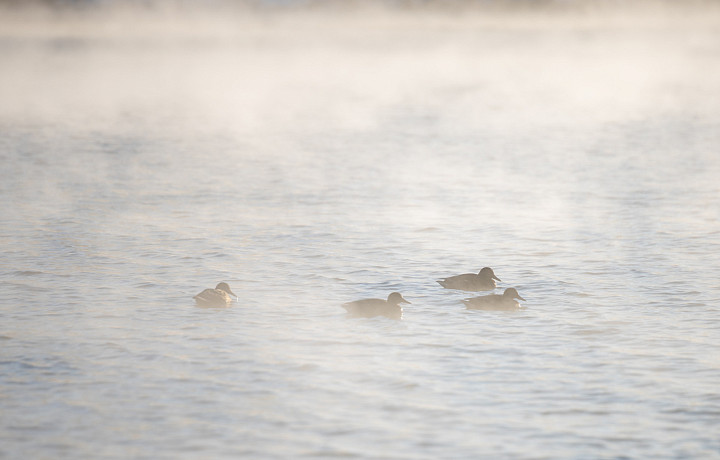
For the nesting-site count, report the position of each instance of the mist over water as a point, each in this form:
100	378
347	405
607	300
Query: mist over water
310	156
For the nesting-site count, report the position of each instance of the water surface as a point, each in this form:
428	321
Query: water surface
310	159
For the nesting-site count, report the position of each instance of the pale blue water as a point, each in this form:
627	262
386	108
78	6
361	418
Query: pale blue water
310	161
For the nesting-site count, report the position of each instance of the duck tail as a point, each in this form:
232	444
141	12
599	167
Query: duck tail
442	282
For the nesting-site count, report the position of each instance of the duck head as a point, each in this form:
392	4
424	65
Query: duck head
487	272
512	293
396	298
226	288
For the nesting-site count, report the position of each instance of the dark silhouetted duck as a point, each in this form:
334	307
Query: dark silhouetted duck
218	297
368	308
483	281
506	301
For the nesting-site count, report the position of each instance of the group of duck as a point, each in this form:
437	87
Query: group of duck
485	280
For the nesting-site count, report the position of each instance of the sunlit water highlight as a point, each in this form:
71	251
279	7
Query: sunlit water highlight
310	161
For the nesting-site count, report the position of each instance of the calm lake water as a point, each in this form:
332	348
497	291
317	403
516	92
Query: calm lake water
314	158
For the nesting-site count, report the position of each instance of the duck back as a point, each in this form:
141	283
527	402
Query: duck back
213	298
468	282
369	308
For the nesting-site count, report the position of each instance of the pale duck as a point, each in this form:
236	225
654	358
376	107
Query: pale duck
506	301
368	308
483	281
218	297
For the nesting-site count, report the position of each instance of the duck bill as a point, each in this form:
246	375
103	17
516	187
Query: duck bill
232	293
405	301
521	298
496	278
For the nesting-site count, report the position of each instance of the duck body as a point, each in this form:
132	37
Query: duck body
218	297
483	281
506	301
369	308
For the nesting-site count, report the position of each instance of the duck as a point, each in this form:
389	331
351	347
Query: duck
369	308
483	281
218	297
506	301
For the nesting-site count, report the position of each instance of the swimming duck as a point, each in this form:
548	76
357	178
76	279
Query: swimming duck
506	301
367	308
218	297
483	281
